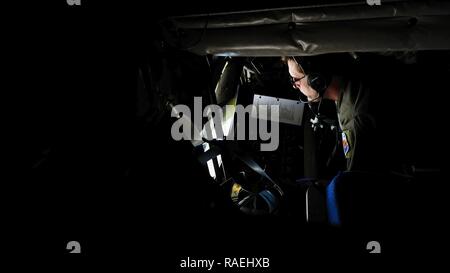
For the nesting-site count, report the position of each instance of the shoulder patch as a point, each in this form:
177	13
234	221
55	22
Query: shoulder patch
346	143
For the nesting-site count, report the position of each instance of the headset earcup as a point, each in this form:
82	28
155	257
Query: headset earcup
318	82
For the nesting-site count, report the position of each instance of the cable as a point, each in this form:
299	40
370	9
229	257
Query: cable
201	35
318	108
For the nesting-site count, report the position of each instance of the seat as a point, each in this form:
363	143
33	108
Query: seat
369	200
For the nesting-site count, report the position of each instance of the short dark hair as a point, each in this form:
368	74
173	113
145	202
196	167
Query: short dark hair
285	59
332	64
303	62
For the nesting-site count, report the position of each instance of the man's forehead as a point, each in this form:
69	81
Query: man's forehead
294	68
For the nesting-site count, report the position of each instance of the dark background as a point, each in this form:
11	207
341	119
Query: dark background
94	173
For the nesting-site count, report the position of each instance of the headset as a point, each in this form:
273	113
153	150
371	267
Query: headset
319	82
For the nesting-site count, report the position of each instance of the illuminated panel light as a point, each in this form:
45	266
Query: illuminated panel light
209	163
219	160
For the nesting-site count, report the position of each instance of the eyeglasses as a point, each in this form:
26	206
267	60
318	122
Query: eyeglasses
294	80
